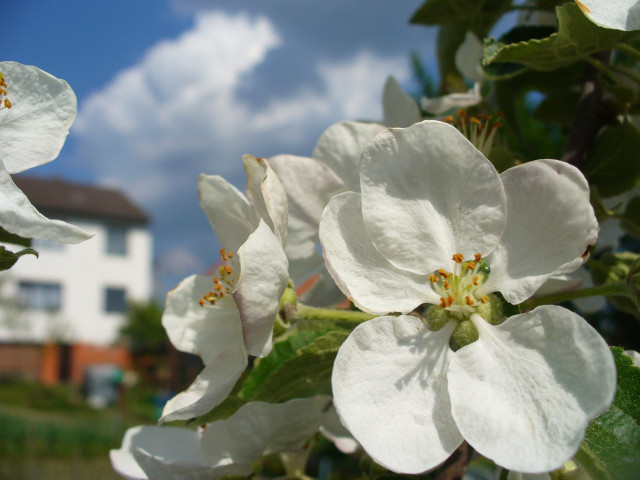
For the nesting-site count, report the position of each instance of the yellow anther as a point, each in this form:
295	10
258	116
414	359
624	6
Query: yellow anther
458	258
218	287
448	119
450	300
443	273
475	120
471	265
227	269
7	103
443	302
462	113
215	280
446	285
230	254
433	278
484	299
477	257
223	254
468	300
201	302
475	280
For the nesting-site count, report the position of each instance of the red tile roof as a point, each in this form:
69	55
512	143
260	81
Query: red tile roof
55	196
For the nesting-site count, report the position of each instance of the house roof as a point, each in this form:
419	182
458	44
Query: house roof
55	196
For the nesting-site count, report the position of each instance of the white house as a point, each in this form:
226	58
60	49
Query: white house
75	296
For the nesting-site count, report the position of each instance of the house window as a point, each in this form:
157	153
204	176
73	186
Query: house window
40	295
115	300
116	240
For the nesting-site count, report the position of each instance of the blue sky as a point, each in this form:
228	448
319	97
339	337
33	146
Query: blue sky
171	89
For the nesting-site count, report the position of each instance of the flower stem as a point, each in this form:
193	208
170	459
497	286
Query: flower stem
628	49
302	312
622	289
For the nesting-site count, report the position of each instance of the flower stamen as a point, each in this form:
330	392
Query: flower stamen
223	285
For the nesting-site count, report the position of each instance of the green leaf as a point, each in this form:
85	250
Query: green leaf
630	219
282	351
614	268
612	441
576	39
7	237
436	12
9	258
306	374
612	164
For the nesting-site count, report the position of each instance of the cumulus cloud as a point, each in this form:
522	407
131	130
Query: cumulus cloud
186	108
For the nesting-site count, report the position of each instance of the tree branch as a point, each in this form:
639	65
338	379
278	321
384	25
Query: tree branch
455	467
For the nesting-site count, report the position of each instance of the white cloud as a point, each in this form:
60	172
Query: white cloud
181	111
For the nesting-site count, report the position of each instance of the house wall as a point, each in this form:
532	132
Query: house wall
84	271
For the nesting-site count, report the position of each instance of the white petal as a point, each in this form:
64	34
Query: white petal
468	58
309	185
440	105
635	357
340	146
267	194
550	223
33	131
209	388
427	194
202	330
524	393
259	428
400	109
390	389
19	216
263	278
170	443
158	468
334	431
230	213
616	14
359	270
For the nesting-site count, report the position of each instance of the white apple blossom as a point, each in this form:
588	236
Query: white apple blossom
36	112
615	14
467	61
229	316
432	214
311	182
222	448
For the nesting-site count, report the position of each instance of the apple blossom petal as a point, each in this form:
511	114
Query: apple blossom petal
267	194
427	194
550	224
210	387
309	185
440	105
400	109
171	443
359	270
525	391
263	279
390	389
615	14
333	430
259	428
158	468
34	129
19	216
230	213
468	58
202	330
635	357
340	146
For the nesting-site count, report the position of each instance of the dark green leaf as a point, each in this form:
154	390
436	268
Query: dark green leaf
614	268
610	450
306	374
7	237
9	258
577	38
612	164
630	219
